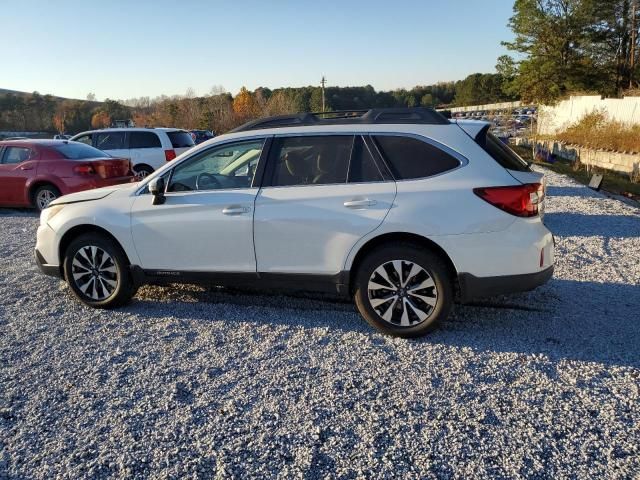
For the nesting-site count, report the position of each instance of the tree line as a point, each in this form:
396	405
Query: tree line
220	111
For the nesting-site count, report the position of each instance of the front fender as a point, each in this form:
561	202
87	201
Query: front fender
115	221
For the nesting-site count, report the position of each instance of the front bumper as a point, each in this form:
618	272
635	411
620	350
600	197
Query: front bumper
51	270
478	287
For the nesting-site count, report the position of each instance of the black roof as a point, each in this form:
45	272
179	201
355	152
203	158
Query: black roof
417	115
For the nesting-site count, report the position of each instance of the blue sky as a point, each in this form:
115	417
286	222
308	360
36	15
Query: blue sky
122	49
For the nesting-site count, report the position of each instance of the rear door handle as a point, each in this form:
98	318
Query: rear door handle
26	167
235	210
359	203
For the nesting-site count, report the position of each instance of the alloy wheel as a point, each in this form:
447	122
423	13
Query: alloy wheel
94	272
402	293
44	198
141	174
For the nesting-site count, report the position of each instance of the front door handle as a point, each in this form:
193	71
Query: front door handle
26	167
235	210
359	203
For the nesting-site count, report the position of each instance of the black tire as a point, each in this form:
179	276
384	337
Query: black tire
44	195
142	171
78	276
432	270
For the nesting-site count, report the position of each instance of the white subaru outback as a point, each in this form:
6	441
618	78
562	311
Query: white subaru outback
400	209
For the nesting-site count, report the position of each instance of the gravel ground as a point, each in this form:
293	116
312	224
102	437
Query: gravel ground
211	383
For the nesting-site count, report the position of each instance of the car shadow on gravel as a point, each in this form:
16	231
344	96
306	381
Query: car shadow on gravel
18	212
575	321
563	320
580	225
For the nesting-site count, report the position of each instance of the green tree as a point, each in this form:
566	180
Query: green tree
555	38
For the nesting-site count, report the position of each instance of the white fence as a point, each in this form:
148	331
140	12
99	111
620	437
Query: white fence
553	119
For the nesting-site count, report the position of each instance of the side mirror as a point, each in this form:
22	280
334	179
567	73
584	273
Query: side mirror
156	188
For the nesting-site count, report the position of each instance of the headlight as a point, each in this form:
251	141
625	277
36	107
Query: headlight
50	212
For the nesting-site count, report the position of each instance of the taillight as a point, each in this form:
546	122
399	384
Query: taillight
520	200
84	170
169	155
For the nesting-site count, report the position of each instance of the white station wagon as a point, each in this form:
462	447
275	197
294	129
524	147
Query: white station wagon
400	209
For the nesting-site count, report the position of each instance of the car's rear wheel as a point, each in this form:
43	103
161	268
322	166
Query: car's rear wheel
403	290
44	195
97	271
142	171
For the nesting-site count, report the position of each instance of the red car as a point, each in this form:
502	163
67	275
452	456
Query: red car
35	172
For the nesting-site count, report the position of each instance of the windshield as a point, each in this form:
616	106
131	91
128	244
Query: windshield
79	151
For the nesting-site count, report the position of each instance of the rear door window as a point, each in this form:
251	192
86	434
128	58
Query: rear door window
13	155
144	140
180	139
409	158
310	160
110	140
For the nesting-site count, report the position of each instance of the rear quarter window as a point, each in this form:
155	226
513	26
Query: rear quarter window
502	153
180	139
410	158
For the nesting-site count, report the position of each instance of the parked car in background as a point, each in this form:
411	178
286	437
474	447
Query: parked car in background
398	209
36	172
200	136
147	148
61	136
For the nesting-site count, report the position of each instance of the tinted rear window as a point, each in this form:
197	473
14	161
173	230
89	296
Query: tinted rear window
180	139
502	153
78	151
412	158
144	140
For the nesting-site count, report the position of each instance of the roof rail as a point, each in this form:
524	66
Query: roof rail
417	115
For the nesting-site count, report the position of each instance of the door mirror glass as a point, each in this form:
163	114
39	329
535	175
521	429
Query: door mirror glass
156	188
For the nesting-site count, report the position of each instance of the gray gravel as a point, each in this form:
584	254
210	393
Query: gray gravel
210	383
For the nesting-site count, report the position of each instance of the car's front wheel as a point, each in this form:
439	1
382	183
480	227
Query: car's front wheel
403	290
97	271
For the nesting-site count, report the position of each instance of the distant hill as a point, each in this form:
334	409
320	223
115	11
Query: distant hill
18	93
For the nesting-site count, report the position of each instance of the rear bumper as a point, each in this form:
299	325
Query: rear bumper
51	270
478	287
80	184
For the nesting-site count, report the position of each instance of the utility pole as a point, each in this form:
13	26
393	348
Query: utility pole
632	55
323	82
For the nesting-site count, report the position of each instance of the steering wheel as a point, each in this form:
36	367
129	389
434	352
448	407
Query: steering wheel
207	181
